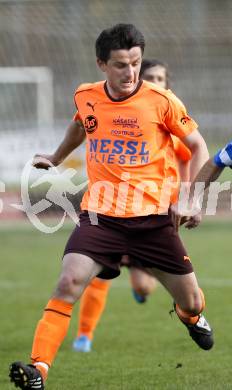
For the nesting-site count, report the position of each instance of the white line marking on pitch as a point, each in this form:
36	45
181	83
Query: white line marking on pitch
8	284
207	282
117	283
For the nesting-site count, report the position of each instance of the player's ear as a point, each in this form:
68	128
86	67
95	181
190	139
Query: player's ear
101	64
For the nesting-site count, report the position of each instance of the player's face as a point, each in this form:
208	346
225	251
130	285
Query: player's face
156	74
122	71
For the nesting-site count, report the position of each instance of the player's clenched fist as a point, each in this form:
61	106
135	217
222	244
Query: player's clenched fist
44	161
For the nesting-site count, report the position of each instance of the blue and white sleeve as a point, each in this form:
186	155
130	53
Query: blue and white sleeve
223	158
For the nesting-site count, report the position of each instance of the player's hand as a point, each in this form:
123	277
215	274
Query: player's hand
184	220
194	221
44	161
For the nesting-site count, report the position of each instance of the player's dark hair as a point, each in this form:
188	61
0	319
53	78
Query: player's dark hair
146	64
120	36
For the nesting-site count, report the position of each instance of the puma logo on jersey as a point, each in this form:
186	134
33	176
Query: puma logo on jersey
184	120
91	105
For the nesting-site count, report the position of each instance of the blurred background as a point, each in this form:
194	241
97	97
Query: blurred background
47	50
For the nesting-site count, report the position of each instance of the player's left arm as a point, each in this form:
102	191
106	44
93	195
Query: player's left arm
196	144
199	151
184	170
183	156
180	124
208	173
184	127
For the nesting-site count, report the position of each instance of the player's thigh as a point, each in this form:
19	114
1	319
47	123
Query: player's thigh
141	279
183	288
80	268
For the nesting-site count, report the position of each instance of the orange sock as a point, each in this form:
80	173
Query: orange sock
50	333
186	317
92	305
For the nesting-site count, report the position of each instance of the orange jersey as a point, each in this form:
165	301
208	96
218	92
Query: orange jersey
129	145
181	151
178	153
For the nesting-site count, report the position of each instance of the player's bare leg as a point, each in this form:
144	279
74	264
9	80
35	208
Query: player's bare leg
188	303
142	284
77	272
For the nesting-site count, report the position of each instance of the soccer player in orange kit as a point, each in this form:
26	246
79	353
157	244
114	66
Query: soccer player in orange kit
93	300
128	124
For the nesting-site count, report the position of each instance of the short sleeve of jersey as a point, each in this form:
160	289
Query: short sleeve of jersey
82	87
181	151
223	158
177	119
77	117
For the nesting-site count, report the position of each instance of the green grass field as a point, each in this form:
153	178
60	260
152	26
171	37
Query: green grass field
137	347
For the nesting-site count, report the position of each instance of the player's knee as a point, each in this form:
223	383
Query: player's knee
65	284
70	285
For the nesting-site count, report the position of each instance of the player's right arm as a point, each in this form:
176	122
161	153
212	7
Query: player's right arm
74	136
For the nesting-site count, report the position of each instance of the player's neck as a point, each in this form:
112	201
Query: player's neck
114	95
